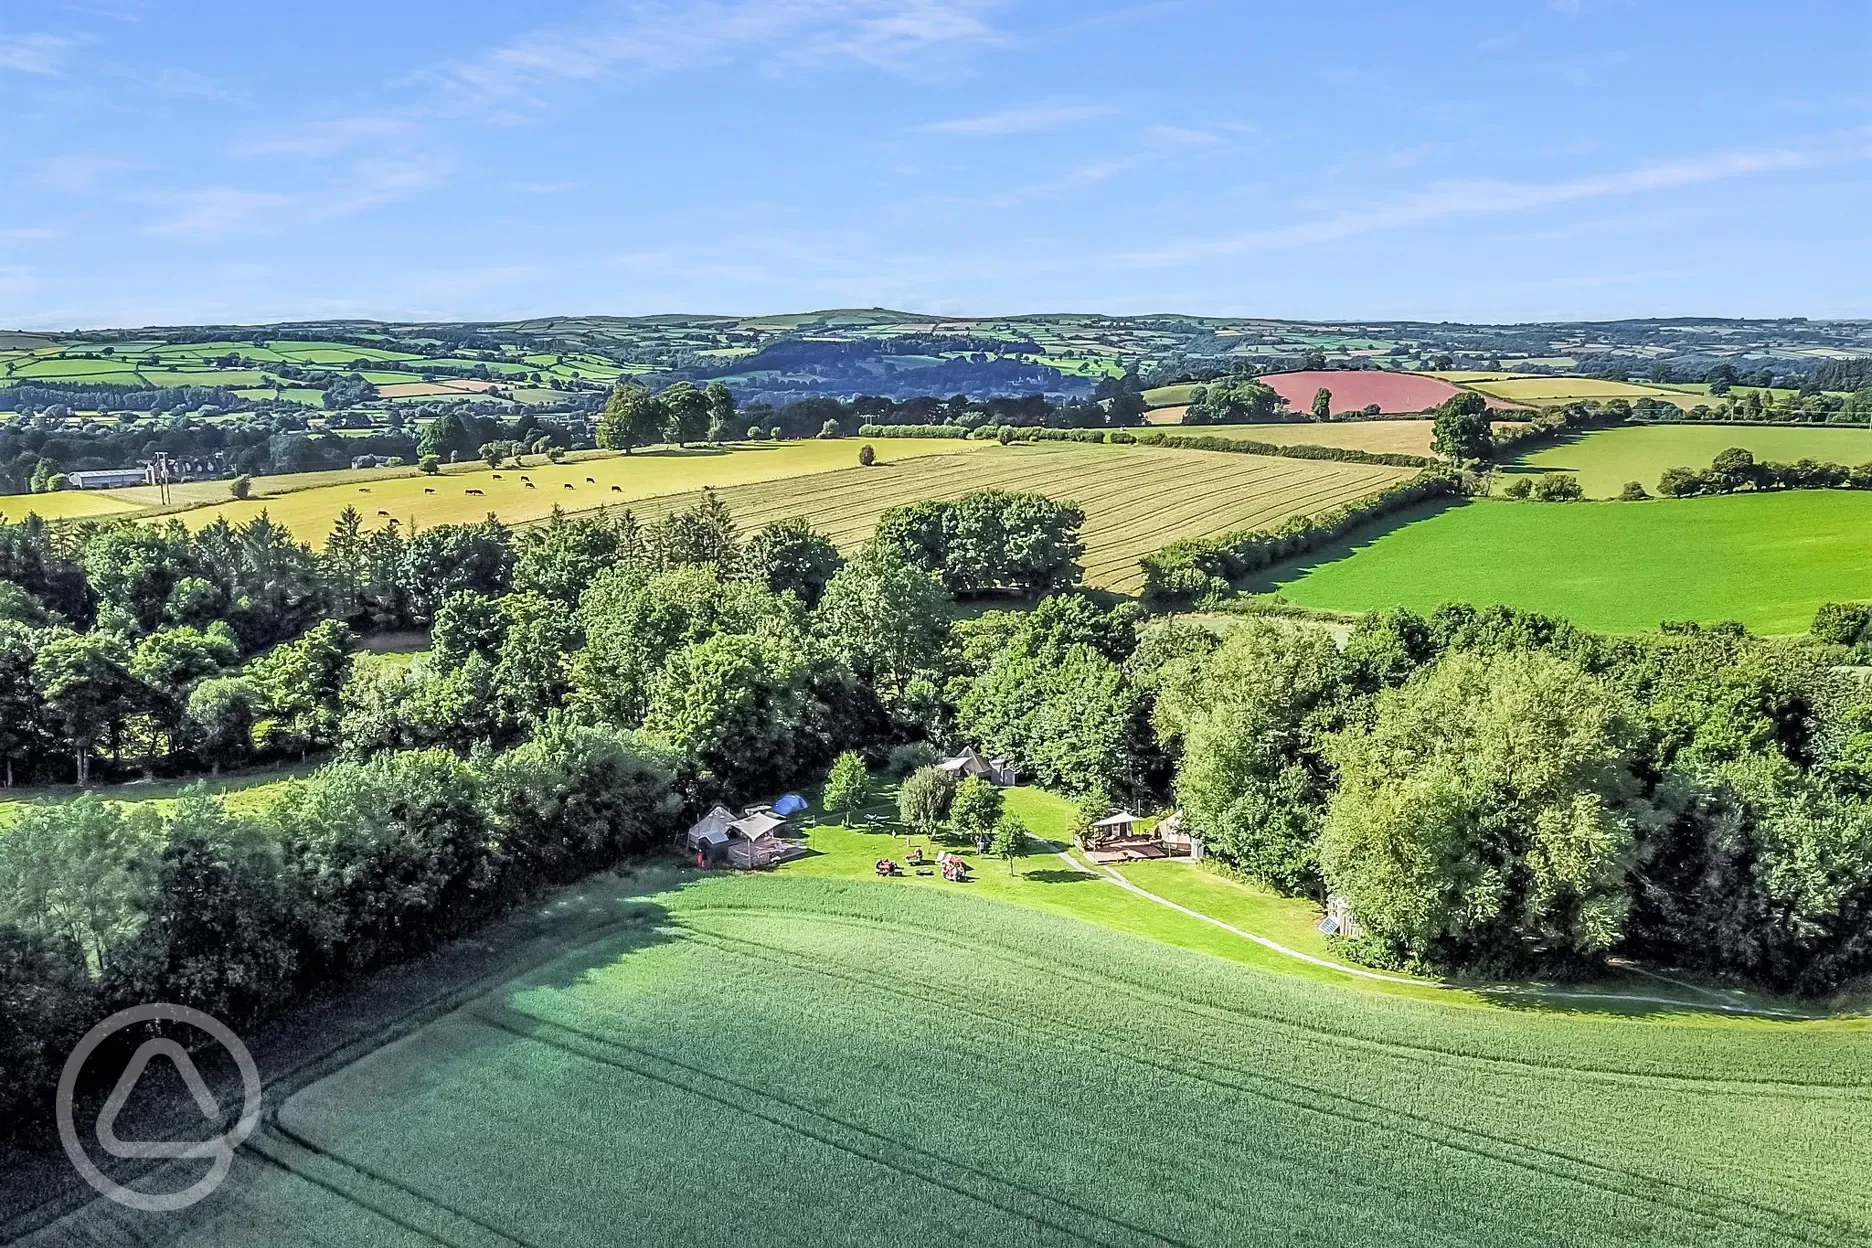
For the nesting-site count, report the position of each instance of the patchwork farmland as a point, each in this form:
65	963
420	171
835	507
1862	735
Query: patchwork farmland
1354	391
1136	499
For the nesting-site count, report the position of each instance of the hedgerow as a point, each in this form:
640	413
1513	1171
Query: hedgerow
1127	437
1186	572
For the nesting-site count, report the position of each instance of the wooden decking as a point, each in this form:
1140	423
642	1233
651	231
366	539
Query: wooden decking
1129	849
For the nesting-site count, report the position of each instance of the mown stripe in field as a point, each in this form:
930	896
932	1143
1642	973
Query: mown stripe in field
1710	1208
1136	499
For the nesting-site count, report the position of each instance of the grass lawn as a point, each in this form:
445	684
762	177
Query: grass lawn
1605	459
1766	559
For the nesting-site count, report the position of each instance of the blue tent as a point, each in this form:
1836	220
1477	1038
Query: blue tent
791	804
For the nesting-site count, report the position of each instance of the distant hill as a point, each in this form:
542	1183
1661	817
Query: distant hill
848	352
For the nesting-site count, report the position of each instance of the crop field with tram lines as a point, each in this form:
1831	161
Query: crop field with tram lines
1136	499
731	1050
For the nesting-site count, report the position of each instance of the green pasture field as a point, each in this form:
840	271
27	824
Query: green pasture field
336	353
814	1056
105	368
1767	560
1171	396
1136	499
1604	460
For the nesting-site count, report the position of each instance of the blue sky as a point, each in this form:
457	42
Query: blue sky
1489	161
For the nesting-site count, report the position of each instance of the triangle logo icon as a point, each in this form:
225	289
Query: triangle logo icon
126	1084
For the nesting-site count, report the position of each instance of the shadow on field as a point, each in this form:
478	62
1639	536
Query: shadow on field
1059	875
1271	580
557	939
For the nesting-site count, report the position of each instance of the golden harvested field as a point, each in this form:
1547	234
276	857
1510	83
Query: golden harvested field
1387	437
65	505
583	485
1554	390
1136	499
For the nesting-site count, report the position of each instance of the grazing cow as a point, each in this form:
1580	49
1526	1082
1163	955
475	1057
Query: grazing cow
427	490
524	477
570	486
531	486
383	513
363	489
497	476
589	481
617	489
471	491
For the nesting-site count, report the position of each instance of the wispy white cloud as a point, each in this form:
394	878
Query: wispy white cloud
73	173
212	212
43	55
661	36
1031	119
1485	197
319	139
372	181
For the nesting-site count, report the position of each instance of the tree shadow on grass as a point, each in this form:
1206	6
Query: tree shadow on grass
1271	580
1059	875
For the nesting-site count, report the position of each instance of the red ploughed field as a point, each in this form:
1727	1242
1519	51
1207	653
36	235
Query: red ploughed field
1354	391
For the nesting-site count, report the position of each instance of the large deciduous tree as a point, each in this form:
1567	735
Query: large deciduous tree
1488	815
1460	430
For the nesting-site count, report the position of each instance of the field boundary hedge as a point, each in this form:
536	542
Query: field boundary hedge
1186	572
1129	437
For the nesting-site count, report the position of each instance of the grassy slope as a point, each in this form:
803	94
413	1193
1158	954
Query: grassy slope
791	1060
1605	460
1767	560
